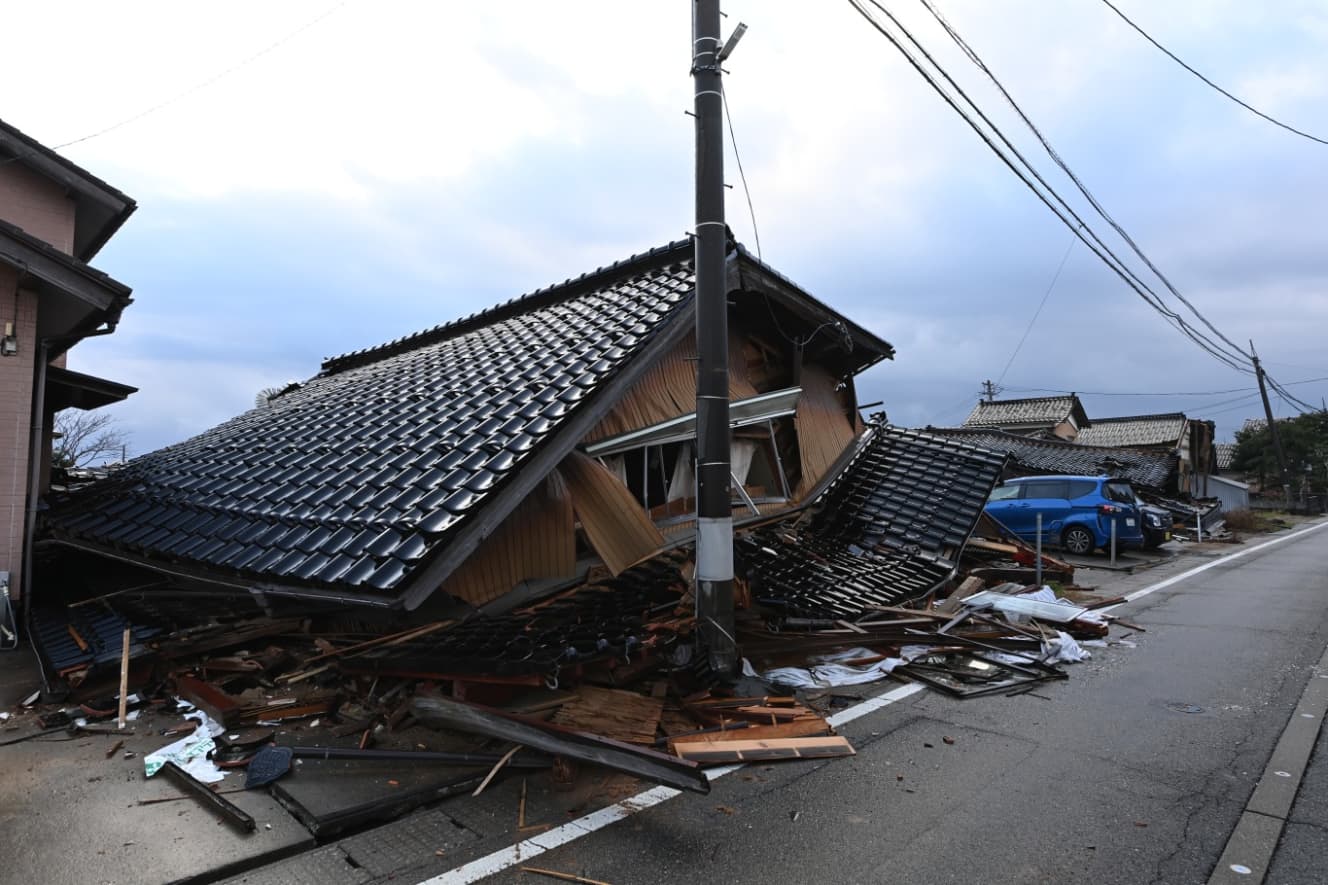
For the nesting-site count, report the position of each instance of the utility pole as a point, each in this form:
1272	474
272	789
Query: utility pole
1272	429
989	390
714	512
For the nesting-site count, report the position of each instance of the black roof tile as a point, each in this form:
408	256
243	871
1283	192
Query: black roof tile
885	531
1150	470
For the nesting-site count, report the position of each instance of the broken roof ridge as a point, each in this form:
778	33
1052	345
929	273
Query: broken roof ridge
677	251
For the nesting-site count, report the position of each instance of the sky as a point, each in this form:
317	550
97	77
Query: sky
316	177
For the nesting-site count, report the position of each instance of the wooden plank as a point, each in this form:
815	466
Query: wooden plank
639	761
719	752
621	715
808	726
614	522
124	678
969	586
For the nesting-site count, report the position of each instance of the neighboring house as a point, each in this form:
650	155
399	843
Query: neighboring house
1062	417
489	459
1190	438
54	217
1222	455
1146	470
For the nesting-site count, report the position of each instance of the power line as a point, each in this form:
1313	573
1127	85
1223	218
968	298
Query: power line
1131	393
733	139
1041	304
191	90
1079	227
1059	161
1178	61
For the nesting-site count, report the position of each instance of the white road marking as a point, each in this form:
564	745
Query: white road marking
508	857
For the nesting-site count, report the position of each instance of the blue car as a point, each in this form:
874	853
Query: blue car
1077	511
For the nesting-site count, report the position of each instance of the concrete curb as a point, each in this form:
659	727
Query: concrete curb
1250	849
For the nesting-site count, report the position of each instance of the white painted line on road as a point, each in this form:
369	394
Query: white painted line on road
506	858
871	705
1175	579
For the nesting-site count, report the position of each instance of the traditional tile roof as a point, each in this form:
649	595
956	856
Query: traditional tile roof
1045	411
1134	430
372	481
354	478
885	531
1150	470
1225	452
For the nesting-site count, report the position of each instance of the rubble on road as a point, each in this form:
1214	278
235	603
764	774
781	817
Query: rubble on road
348	717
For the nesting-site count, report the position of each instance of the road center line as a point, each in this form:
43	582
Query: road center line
508	857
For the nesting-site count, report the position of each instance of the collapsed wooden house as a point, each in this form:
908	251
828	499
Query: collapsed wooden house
505	451
522	481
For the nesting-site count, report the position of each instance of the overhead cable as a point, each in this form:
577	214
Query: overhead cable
1068	217
1177	60
1041	304
1059	161
742	175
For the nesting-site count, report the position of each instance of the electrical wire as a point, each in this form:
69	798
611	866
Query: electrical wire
1041	304
1158	393
1177	60
1131	393
190	91
733	140
1078	226
1060	162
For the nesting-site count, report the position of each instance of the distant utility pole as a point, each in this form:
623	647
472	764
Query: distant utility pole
1272	428
989	390
714	512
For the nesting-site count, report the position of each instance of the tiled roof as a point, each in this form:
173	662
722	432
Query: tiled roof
1225	452
1146	469
1049	410
1137	430
883	532
1253	424
356	478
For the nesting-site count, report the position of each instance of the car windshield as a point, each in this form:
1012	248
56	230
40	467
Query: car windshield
1003	493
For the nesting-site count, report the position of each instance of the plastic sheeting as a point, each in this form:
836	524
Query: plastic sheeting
829	671
190	752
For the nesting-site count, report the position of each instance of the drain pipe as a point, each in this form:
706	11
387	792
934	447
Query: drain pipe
37	433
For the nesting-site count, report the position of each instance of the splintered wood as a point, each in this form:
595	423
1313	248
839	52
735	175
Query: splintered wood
621	715
718	752
616	526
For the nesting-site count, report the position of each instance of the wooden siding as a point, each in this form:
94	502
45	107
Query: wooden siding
668	390
537	540
824	427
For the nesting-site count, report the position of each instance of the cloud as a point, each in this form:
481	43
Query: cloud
399	164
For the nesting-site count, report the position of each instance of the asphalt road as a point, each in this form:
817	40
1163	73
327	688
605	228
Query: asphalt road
1134	771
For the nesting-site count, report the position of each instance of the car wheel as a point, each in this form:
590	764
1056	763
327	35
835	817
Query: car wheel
1078	540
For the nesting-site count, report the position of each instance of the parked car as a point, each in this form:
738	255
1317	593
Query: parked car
1077	511
1156	523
